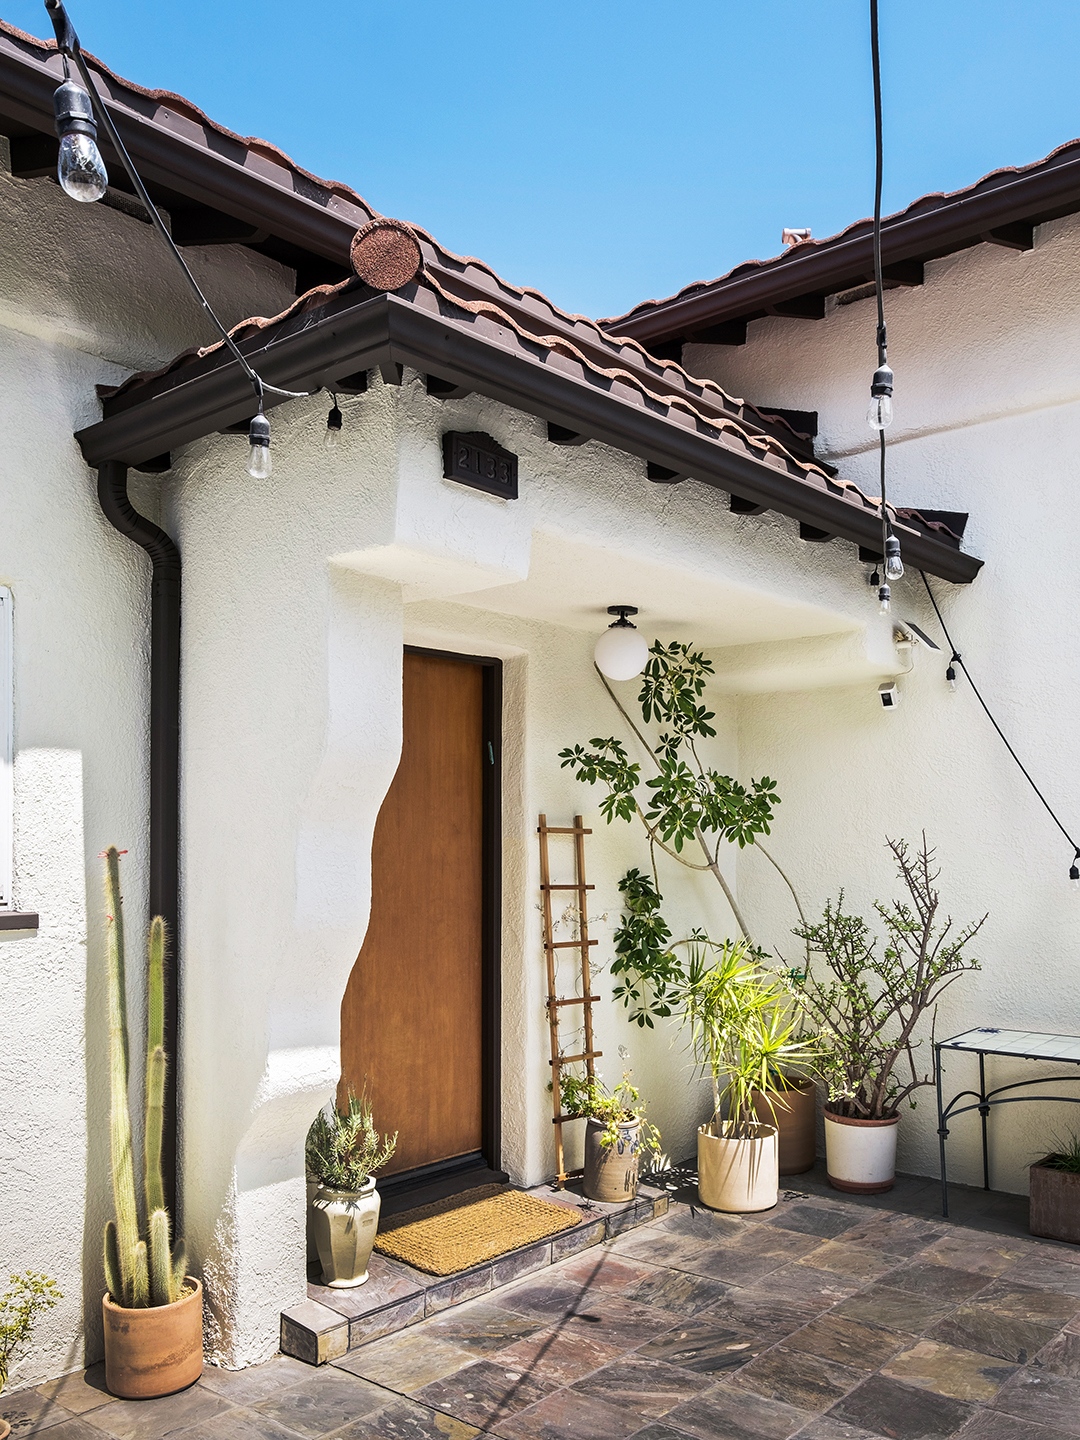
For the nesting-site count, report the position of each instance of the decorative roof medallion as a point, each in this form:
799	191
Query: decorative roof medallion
386	254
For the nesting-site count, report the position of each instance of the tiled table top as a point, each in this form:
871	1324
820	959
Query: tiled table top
822	1319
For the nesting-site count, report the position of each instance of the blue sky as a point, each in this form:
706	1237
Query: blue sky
604	152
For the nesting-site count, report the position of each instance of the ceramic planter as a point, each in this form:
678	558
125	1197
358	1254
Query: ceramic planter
1054	1207
794	1113
344	1223
312	1248
155	1351
611	1171
860	1155
739	1175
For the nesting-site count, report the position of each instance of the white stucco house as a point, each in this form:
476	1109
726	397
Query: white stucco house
190	652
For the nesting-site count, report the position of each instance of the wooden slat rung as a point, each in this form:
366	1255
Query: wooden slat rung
575	1000
561	830
567	887
570	1059
568	944
562	1119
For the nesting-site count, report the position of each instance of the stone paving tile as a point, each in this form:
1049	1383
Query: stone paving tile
327	1401
239	1424
485	1394
561	1353
1050	1271
387	1282
569	1416
28	1411
802	1282
1061	1356
707	1347
603	1269
826	1428
649	1388
750	1256
887	1407
981	1254
947	1370
856	1262
894	1309
547	1299
678	1291
1043	1399
405	1420
768	1316
244	1387
858	1344
814	1220
616	1321
700	1224
156	1419
992	1425
480	1328
805	1381
990	1332
588	1233
655	1246
939	1282
729	1414
1009	1297
74	1428
85	1390
894	1234
406	1361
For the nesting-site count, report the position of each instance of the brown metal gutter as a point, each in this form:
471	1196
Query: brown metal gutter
836	265
209	395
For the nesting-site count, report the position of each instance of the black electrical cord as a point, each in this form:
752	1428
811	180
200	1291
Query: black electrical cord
957	659
67	42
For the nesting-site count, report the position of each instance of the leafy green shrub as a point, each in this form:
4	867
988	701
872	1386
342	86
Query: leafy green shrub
343	1147
588	1095
20	1305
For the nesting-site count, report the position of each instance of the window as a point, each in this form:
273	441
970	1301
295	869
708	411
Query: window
7	747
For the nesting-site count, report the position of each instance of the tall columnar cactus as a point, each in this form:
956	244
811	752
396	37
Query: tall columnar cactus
138	1272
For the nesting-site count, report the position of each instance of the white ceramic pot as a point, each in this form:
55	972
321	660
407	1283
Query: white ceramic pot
611	1171
345	1223
860	1155
739	1175
312	1248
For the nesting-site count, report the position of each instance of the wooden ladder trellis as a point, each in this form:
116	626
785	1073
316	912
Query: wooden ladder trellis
586	999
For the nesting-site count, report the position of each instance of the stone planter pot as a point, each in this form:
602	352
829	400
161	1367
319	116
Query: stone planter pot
155	1351
312	1248
794	1113
860	1155
1054	1207
739	1175
344	1223
611	1171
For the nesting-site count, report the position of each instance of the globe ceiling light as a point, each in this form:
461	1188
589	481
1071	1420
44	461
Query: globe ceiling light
622	650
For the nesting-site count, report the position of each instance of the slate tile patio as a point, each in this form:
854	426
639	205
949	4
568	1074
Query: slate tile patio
826	1319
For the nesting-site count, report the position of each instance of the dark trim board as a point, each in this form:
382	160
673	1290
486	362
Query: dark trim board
489	1157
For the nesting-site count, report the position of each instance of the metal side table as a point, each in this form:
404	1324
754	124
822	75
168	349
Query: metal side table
1020	1045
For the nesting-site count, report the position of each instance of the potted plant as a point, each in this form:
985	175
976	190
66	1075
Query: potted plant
20	1305
1054	1206
790	1103
744	1027
870	1002
343	1149
153	1308
617	1134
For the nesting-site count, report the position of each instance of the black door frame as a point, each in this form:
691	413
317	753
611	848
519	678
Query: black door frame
489	1157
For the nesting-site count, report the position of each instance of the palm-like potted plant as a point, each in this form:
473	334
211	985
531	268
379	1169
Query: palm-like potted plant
745	1027
343	1150
870	1000
153	1308
617	1134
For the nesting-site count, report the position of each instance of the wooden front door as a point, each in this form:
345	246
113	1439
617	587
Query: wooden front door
418	1002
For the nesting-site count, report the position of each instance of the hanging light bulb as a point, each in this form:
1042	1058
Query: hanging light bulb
621	652
884	597
79	168
333	427
260	461
1074	872
894	566
879	416
950	674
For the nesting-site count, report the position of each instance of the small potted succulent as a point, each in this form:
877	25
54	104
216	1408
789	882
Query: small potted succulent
343	1150
1054	1206
870	1001
617	1134
20	1305
153	1308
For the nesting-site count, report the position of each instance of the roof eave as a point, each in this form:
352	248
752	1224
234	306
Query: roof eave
212	394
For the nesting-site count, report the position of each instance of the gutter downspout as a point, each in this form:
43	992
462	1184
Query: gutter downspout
164	770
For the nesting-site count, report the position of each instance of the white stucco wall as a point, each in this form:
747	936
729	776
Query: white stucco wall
987	409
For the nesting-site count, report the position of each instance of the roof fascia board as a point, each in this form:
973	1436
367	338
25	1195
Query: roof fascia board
834	265
205	175
389	328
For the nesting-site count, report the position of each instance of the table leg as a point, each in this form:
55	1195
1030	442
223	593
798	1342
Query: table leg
984	1111
942	1131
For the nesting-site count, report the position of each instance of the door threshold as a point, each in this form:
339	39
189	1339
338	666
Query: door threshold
422	1187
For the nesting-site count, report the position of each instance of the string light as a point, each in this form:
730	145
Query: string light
1074	872
950	673
79	167
333	427
260	461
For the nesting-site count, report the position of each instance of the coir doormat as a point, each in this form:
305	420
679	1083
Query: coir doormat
467	1229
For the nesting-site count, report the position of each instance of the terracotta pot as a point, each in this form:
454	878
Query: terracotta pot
5	1430
345	1223
1054	1207
155	1351
739	1175
611	1171
860	1155
794	1113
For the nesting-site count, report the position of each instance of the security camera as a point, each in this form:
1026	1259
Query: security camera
889	695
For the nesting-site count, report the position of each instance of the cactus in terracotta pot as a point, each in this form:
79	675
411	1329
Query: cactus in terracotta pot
139	1272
